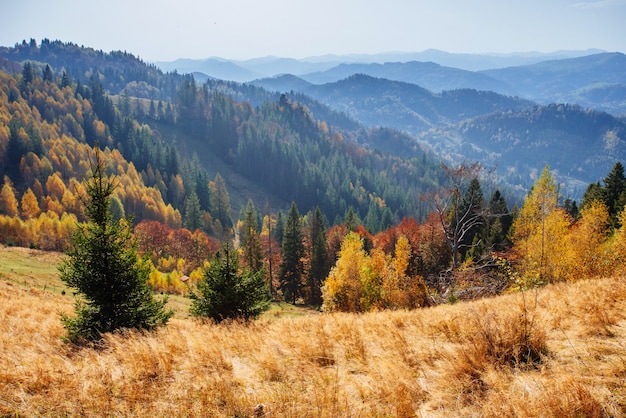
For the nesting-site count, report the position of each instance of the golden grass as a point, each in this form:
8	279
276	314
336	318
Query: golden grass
559	352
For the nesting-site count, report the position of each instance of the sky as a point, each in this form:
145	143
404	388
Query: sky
164	30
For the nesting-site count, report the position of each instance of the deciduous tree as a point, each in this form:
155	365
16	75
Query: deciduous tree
8	202
30	206
343	288
539	233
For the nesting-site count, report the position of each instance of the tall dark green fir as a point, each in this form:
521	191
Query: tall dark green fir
292	267
319	257
103	266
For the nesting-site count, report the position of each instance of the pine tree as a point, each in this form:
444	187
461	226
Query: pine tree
225	293
352	220
250	240
193	214
292	267
279	228
614	192
319	256
103	266
220	202
471	211
47	74
499	222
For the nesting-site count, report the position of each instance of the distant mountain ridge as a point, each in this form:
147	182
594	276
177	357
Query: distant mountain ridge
270	66
428	75
381	102
587	81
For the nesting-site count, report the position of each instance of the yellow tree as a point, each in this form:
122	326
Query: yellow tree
376	273
590	256
30	206
55	187
342	289
539	233
8	202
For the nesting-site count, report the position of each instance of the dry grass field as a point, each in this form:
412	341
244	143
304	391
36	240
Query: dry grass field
557	352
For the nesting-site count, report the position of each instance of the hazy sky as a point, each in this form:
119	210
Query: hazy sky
240	29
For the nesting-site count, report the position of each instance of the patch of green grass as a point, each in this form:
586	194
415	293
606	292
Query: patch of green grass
39	270
32	268
284	309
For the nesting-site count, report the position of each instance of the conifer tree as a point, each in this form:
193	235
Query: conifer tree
279	228
220	201
614	192
103	266
250	240
292	267
319	256
471	211
226	293
498	222
193	214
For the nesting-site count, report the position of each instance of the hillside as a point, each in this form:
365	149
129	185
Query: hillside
403	106
515	136
555	352
120	70
592	81
579	144
278	151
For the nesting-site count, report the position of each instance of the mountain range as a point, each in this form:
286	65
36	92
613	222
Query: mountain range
270	66
565	109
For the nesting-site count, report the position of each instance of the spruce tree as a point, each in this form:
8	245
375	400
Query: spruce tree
292	267
103	266
279	229
226	293
220	202
614	192
471	212
319	256
252	251
193	214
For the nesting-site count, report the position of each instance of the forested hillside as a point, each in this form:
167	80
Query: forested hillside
581	145
117	70
303	201
304	159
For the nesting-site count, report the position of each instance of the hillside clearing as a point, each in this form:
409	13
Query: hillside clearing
468	359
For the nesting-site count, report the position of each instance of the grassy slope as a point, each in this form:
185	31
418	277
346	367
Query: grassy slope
444	361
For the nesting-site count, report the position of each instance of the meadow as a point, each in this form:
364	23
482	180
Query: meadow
559	351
